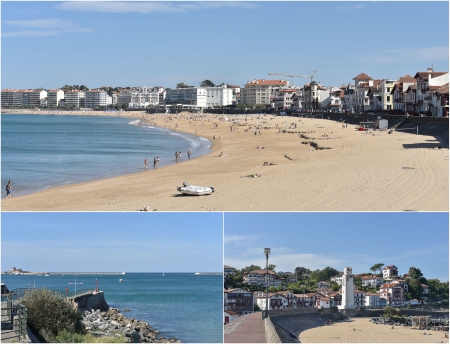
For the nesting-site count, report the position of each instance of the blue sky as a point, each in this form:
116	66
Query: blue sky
339	240
51	44
112	242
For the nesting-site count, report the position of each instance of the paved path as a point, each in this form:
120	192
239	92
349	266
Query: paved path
248	328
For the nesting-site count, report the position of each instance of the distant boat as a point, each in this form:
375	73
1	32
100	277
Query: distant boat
75	283
197	273
163	274
123	273
47	274
120	280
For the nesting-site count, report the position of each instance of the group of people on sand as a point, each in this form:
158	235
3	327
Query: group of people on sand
269	163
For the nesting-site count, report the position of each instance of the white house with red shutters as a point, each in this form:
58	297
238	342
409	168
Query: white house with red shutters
275	301
393	293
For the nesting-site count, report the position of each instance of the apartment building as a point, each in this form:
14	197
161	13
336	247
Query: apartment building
186	96
54	97
74	98
219	96
96	98
33	97
261	91
11	98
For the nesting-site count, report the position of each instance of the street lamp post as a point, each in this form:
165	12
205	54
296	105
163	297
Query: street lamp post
267	252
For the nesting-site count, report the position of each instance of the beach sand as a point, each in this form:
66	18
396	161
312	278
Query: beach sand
367	332
360	172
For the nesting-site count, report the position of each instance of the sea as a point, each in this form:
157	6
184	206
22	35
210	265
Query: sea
44	151
182	305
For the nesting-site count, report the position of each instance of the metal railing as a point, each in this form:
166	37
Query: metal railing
14	317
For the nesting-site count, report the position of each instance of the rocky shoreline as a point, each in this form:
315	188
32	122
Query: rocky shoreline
113	323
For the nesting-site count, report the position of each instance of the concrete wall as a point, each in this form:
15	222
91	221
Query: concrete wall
291	311
271	333
91	301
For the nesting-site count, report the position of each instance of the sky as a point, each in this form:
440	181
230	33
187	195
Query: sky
51	44
112	242
357	240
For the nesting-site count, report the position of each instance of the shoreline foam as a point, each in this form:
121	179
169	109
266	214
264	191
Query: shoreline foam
360	172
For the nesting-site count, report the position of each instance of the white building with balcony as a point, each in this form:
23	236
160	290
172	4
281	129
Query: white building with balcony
426	82
218	96
261	91
74	98
97	98
371	281
54	97
33	97
258	278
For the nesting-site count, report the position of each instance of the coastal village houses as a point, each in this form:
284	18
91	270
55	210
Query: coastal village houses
426	93
258	278
239	300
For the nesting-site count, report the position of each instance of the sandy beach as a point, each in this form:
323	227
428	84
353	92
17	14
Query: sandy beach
371	171
362	331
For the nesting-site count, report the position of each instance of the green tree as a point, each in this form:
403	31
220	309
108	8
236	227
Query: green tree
207	83
378	267
414	282
49	312
182	85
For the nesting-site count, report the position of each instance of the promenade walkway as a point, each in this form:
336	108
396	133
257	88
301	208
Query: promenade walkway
248	328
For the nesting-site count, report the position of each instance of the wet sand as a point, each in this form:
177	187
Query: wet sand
362	331
359	172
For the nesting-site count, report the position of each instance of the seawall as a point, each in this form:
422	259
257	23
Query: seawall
91	300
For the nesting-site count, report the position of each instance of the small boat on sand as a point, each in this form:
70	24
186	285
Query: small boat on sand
195	190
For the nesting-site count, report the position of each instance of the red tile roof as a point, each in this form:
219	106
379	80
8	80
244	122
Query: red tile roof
362	76
424	75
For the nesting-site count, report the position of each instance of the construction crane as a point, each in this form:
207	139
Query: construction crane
288	74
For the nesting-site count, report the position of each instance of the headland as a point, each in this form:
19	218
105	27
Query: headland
270	163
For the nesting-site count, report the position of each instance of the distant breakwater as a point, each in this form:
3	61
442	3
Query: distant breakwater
104	321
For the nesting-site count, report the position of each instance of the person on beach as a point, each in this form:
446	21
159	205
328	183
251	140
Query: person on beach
179	155
154	162
176	156
146	162
8	189
135	336
157	161
189	154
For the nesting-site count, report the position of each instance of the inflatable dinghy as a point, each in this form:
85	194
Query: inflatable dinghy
187	189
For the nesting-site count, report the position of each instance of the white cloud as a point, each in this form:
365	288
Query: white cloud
44	27
29	33
239	238
145	7
409	54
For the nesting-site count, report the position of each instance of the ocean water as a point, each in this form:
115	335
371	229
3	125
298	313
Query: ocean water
43	151
181	305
